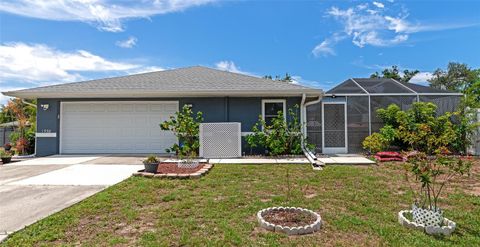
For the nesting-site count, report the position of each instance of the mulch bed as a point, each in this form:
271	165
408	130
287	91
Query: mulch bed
289	218
164	168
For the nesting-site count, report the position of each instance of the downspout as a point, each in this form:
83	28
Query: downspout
303	113
28	103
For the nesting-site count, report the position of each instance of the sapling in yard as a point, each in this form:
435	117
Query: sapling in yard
431	175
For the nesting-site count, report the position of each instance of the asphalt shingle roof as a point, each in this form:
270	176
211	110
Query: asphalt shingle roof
182	80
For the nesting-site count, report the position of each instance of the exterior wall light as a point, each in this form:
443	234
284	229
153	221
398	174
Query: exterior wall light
45	106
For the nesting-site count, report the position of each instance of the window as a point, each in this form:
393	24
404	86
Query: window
270	109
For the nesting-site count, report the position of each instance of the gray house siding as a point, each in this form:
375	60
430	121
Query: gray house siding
216	109
48	121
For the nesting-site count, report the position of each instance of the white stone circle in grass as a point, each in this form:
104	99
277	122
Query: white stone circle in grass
446	230
300	230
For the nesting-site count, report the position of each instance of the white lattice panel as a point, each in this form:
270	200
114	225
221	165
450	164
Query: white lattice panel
220	140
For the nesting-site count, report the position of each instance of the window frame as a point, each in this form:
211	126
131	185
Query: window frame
283	101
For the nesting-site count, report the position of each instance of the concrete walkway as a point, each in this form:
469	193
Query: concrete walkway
346	160
260	161
331	160
33	189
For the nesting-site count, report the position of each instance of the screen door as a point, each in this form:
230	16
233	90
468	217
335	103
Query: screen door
334	138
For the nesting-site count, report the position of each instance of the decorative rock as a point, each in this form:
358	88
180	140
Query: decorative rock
195	175
148	175
279	228
183	176
160	175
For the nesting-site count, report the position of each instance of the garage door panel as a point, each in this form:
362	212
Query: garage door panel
115	127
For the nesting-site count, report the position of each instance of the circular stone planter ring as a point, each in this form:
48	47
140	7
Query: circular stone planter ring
446	230
297	230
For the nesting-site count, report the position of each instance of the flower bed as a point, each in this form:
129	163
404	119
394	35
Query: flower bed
289	220
446	229
171	170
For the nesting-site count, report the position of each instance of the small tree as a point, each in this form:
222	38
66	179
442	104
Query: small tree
186	126
431	175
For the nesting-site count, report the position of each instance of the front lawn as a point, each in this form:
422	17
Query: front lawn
358	204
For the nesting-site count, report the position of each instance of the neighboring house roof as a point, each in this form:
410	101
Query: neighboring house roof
376	86
190	81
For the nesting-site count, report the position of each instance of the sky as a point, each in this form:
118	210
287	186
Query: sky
319	43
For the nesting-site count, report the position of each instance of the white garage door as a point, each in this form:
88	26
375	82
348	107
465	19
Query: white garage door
115	127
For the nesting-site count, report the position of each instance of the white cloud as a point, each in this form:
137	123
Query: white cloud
367	27
106	15
296	79
375	27
40	64
128	43
379	4
421	78
230	66
362	6
326	47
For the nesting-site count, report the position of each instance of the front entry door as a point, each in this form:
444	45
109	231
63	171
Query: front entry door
334	127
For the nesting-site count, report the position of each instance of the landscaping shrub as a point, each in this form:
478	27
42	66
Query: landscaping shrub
375	143
186	126
418	128
24	114
280	137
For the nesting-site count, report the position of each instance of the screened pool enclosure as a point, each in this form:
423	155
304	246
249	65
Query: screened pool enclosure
347	112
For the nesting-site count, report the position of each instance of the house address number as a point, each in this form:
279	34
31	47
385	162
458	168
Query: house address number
46	131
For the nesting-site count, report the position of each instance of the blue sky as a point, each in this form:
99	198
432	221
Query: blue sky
320	43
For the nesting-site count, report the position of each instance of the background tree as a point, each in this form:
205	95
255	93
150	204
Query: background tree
458	77
394	73
461	78
286	78
24	113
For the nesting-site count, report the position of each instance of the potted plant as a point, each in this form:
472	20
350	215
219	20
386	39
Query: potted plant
430	176
7	146
5	156
151	164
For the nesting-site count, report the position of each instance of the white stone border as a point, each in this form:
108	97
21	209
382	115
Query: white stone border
300	230
431	230
206	168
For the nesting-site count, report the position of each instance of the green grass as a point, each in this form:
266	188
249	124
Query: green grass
358	204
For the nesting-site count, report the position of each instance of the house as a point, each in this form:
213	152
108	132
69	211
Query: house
122	114
347	112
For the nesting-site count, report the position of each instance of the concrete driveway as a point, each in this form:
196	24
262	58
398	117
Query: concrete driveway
33	189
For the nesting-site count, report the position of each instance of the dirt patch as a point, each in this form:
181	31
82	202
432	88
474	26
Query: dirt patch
164	168
289	218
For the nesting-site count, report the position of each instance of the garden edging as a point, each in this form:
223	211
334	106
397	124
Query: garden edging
307	229
431	230
205	169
